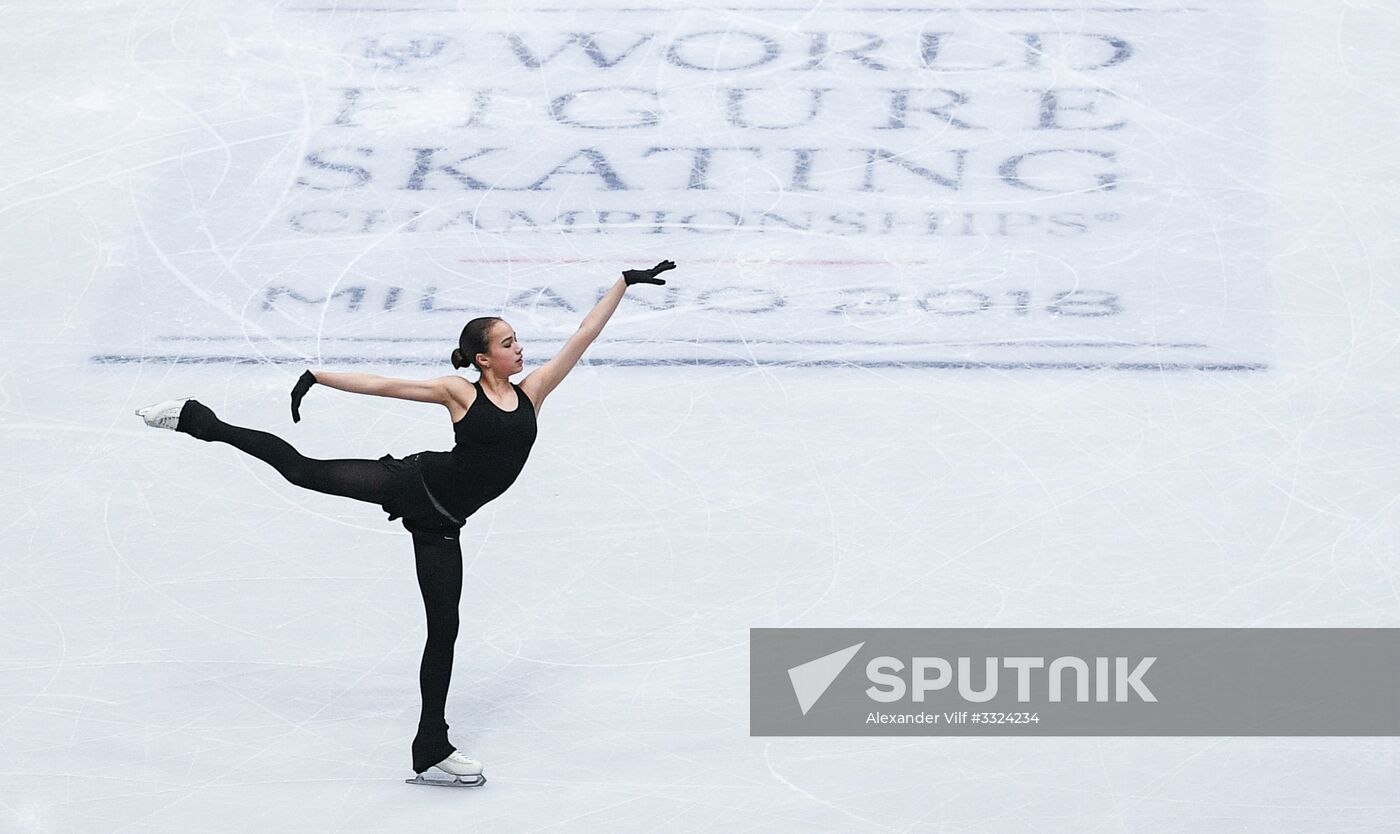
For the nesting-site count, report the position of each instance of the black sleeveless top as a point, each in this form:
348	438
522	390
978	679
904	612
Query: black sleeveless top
491	449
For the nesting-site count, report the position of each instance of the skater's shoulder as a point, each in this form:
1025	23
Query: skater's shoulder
458	386
460	395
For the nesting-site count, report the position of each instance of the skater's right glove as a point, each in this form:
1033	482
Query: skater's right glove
647	276
298	391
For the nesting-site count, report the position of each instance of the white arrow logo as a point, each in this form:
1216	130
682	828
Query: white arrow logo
811	679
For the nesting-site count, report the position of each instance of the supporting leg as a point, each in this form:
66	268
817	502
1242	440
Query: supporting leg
439	565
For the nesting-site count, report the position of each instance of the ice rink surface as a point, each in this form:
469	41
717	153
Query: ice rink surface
1002	315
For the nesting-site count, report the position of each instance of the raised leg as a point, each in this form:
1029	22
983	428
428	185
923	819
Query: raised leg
363	480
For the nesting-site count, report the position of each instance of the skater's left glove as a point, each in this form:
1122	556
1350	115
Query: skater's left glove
647	276
298	391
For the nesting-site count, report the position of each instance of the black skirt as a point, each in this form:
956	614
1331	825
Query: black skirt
420	510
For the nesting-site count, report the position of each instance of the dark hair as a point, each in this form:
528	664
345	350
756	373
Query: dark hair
475	338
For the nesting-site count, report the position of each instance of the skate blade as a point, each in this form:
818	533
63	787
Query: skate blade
147	409
446	782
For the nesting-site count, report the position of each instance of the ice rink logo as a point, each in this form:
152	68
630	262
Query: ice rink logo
409	52
969	189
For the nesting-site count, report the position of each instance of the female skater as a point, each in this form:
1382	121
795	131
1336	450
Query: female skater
493	420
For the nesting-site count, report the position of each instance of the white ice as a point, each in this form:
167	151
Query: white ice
971	355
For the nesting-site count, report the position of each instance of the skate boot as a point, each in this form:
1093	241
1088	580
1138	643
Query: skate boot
464	773
185	415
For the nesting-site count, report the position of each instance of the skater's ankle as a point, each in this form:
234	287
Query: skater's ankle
197	420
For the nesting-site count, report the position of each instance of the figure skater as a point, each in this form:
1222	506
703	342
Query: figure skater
493	421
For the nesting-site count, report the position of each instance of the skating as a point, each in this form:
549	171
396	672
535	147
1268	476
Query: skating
494	423
461	773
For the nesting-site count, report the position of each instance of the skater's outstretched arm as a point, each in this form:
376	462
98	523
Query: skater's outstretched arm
417	390
548	376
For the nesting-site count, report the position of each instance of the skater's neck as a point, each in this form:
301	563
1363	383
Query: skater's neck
499	385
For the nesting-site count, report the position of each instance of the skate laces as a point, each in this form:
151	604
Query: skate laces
162	419
162	415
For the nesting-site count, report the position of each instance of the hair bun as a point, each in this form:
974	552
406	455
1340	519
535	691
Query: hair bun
457	358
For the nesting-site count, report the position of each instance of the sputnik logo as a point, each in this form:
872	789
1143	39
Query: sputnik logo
811	679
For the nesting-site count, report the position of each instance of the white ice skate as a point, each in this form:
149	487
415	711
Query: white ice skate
464	773
164	415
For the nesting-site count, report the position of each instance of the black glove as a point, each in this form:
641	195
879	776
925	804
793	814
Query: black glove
647	276
298	391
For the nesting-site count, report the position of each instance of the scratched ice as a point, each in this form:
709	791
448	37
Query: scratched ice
1073	314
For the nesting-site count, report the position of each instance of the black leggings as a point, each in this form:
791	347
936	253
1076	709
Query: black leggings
438	559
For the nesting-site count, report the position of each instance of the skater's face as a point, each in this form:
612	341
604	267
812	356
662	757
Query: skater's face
504	351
